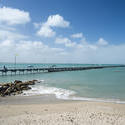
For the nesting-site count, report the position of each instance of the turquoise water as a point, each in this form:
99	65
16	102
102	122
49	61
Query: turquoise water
101	84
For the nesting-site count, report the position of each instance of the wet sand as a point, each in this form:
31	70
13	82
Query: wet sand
47	110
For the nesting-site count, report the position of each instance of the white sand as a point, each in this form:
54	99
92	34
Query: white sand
67	113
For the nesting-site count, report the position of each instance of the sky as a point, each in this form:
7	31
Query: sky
62	31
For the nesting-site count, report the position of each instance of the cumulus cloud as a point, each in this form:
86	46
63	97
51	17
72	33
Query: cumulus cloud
11	16
8	28
63	40
10	35
97	52
77	35
57	21
82	44
52	21
102	42
46	31
78	52
25	49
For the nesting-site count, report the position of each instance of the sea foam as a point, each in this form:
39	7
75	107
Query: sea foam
64	94
41	90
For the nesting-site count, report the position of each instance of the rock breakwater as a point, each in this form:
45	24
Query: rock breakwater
15	88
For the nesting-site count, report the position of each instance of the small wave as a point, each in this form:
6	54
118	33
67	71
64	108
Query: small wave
40	80
58	92
64	94
95	100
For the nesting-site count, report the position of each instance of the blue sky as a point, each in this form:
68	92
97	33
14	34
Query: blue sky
63	31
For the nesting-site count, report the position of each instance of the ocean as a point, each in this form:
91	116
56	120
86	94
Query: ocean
106	85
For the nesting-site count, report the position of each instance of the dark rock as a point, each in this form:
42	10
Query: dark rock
26	88
30	82
17	81
35	80
15	88
18	92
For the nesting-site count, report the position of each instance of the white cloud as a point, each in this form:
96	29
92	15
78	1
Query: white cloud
102	42
98	52
78	53
10	35
8	28
46	31
57	21
82	44
28	51
52	21
11	16
77	35
63	40
6	43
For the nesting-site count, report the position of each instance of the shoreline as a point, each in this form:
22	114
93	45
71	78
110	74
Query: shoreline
51	111
35	99
51	98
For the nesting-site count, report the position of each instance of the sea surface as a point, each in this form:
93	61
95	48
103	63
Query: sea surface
106	85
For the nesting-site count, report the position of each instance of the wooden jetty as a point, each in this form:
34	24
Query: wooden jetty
51	69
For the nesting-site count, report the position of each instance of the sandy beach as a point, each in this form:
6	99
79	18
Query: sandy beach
40	111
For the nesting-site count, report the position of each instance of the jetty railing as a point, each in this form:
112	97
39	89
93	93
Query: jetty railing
13	71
